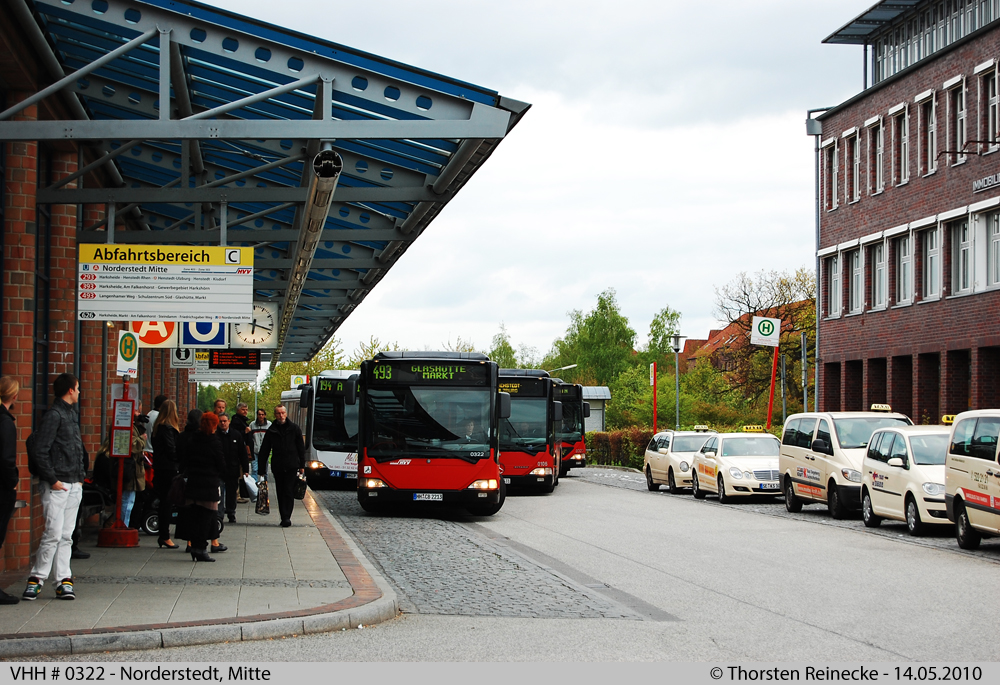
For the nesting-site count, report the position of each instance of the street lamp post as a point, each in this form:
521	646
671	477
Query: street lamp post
562	368
676	345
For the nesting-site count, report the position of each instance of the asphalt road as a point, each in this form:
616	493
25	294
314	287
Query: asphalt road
603	570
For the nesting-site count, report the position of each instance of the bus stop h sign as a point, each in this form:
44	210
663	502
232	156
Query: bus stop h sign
765	331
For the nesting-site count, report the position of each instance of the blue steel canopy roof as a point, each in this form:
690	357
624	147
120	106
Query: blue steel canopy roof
409	140
859	30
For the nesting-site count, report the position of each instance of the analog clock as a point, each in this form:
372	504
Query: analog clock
262	331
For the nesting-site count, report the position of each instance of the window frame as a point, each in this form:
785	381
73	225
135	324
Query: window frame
927	153
856	285
835	285
932	273
901	147
963	249
904	269
958	104
880	275
993	254
854	144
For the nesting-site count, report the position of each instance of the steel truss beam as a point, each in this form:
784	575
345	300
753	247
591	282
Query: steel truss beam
212	236
218	194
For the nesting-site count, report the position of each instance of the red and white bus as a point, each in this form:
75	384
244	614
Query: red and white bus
570	431
428	431
529	456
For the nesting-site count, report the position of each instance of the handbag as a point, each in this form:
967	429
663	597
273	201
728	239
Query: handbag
263	506
300	488
251	485
176	493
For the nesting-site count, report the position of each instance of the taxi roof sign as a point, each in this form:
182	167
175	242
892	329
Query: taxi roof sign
753	429
881	407
948	419
702	428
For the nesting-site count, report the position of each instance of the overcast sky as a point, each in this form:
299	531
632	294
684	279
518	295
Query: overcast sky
665	152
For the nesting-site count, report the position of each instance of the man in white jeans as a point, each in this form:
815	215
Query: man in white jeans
61	463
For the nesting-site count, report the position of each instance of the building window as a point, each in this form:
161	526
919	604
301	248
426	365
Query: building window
958	134
879	277
835	282
993	230
904	270
832	175
932	264
962	240
928	136
990	119
856	289
855	167
876	141
901	166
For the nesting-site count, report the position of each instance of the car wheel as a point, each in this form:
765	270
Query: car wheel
793	504
650	485
967	536
867	513
723	497
671	483
913	522
695	490
834	502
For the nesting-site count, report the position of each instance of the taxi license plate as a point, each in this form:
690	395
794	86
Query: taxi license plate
506	481
769	486
428	497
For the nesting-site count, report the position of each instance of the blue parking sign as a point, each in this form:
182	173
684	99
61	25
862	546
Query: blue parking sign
204	334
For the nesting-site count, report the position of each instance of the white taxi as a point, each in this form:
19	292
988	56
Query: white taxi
668	458
972	476
737	464
902	477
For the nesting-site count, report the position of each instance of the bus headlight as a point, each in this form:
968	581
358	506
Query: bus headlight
373	483
851	475
541	472
315	465
933	489
684	467
484	484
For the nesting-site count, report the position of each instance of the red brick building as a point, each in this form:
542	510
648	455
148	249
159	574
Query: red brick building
909	215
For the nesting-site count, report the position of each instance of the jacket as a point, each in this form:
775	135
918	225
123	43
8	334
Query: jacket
257	433
9	475
165	448
59	450
235	451
185	442
283	441
205	467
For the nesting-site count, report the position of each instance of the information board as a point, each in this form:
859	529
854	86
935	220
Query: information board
165	282
234	359
522	387
432	373
221	376
765	331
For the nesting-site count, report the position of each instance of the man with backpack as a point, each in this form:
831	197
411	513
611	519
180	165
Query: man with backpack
60	461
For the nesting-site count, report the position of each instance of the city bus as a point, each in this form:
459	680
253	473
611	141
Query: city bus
428	431
528	453
570	432
330	428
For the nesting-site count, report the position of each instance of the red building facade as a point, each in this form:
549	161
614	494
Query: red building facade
909	205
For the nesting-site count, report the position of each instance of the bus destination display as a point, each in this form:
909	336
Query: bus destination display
434	373
234	359
568	392
522	387
330	387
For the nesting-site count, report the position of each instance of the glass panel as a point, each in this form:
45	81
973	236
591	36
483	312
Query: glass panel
929	449
856	432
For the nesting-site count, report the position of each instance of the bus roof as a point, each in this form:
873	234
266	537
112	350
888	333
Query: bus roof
532	373
477	356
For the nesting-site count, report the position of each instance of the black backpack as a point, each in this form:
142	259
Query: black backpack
29	446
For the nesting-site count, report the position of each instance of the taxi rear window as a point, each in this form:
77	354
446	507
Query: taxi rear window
856	432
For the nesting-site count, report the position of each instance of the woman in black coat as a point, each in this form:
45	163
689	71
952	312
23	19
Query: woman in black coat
9	475
205	468
166	434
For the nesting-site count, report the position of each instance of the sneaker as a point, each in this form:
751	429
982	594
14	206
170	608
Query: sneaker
8	599
64	590
33	588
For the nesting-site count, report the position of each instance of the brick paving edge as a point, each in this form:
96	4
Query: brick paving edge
373	602
613	468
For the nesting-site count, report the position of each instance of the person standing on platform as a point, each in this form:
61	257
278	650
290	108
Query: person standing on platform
62	464
257	430
205	466
166	435
241	424
9	475
284	444
235	451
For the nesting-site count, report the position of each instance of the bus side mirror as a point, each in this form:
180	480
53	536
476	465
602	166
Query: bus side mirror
306	398
586	410
503	408
557	414
351	391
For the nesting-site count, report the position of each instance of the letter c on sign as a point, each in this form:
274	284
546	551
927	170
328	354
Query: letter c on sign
233	256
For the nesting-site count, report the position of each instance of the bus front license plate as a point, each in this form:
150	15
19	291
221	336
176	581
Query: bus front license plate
769	486
506	481
428	497
350	474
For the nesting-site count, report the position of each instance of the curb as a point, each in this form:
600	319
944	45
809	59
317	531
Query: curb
373	602
629	469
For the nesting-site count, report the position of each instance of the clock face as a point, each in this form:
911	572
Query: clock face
262	331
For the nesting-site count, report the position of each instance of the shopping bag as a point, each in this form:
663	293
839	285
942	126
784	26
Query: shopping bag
263	506
251	485
300	488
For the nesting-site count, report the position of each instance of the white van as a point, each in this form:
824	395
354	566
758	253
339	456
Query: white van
972	476
903	477
821	455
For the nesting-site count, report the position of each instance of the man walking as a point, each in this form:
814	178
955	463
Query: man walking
241	425
235	451
257	430
61	462
283	442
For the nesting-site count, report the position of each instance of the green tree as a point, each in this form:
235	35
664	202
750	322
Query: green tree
501	351
662	328
207	395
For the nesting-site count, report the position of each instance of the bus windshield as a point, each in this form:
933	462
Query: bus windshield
525	430
571	429
335	425
430	421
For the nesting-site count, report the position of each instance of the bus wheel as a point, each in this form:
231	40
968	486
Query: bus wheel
489	509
